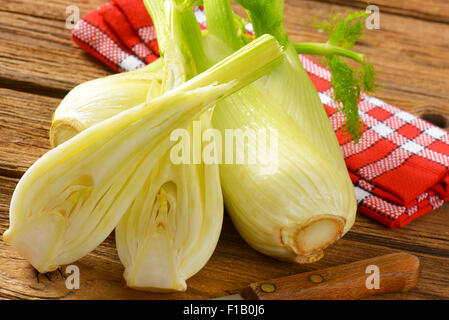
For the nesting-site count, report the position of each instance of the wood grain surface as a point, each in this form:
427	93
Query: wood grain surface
39	64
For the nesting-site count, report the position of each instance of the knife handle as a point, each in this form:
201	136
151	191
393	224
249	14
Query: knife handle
398	272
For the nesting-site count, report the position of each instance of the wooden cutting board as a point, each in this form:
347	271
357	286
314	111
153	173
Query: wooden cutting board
39	64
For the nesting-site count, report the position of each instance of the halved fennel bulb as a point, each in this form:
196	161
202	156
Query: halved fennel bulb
172	228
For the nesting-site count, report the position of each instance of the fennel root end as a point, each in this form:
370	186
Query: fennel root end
308	240
310	258
62	130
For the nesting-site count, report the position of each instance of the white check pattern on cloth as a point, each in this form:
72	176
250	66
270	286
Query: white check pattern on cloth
106	46
376	130
387	128
141	49
147	33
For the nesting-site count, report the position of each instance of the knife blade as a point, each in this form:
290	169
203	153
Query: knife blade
397	272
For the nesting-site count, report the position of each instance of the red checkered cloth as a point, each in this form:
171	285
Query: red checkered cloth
400	167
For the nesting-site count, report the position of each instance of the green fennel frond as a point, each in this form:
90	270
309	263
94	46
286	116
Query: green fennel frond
368	78
348	82
346	91
344	32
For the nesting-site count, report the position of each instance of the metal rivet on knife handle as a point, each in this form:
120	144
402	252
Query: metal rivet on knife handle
267	287
316	278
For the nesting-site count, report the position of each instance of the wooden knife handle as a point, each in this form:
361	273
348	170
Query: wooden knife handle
398	272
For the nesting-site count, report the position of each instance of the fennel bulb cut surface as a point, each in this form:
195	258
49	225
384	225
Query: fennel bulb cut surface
70	200
172	228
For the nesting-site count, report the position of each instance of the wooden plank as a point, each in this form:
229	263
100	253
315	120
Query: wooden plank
431	10
24	123
233	265
39	56
50	63
52	10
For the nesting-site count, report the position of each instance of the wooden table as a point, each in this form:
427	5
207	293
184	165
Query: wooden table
39	64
